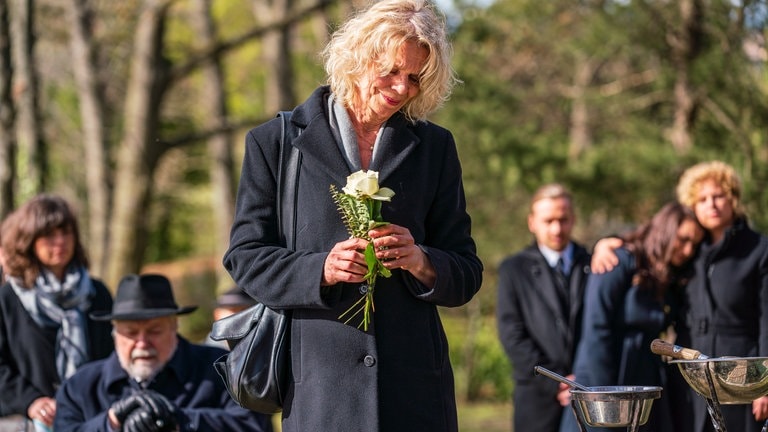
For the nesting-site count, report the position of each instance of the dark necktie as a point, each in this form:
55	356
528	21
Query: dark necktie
561	282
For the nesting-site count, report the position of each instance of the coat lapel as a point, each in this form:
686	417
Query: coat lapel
544	282
397	142
318	146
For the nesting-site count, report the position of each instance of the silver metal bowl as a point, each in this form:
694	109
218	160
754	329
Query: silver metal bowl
615	406
737	380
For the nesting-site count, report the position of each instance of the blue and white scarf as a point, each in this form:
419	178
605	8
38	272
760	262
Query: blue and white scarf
62	304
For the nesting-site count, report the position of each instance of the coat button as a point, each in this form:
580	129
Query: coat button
369	361
363	289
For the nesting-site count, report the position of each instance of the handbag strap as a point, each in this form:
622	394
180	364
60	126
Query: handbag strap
288	181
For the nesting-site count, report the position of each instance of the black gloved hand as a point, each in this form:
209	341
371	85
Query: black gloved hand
145	421
127	405
155	414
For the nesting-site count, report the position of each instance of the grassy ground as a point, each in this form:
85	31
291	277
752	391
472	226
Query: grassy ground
481	417
485	417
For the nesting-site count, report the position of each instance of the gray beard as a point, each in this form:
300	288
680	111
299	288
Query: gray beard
144	373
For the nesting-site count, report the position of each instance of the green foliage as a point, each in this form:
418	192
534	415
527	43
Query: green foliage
354	213
480	365
527	66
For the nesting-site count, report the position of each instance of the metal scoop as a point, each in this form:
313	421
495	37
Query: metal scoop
557	377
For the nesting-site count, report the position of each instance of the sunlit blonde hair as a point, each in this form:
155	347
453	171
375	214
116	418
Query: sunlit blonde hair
721	173
371	39
550	191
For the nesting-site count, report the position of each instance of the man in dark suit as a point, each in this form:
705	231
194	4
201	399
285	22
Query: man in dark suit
539	310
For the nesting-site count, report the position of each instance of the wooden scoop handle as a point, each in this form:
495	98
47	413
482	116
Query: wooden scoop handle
660	347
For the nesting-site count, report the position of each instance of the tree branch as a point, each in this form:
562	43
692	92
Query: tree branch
194	62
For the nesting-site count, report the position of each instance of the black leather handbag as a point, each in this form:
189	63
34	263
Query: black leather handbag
257	370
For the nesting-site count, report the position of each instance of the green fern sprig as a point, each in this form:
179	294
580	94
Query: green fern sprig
354	213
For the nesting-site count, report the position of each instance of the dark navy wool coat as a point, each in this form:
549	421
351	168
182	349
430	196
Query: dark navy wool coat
189	381
397	375
620	321
534	331
28	351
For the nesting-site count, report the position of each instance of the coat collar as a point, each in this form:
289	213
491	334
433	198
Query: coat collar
318	145
115	375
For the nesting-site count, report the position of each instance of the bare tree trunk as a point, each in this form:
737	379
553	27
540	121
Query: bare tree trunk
139	149
276	55
93	124
142	146
685	43
219	145
7	117
28	126
580	132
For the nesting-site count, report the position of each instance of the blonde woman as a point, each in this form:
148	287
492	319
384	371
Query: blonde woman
389	68
727	298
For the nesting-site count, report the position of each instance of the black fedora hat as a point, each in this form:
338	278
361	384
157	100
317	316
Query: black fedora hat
143	297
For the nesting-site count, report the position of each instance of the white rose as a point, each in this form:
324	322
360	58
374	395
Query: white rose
366	183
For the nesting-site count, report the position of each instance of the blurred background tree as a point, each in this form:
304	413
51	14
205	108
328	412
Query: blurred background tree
136	111
612	98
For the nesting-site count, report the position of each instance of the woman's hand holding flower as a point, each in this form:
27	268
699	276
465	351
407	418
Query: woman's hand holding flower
396	248
345	262
359	205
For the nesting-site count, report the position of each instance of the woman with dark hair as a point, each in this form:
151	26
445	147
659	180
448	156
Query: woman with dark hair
45	332
633	304
726	300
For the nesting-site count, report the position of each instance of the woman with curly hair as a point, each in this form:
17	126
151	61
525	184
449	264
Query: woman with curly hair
727	298
45	331
388	68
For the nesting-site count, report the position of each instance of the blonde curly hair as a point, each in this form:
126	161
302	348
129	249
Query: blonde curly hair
371	39
721	173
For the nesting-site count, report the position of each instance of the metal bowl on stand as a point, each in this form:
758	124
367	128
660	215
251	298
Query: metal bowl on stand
608	406
615	406
736	380
721	380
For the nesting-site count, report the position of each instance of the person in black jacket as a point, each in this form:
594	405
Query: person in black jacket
727	298
725	309
389	370
539	310
45	331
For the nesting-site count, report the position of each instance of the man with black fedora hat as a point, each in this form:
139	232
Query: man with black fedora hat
155	380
